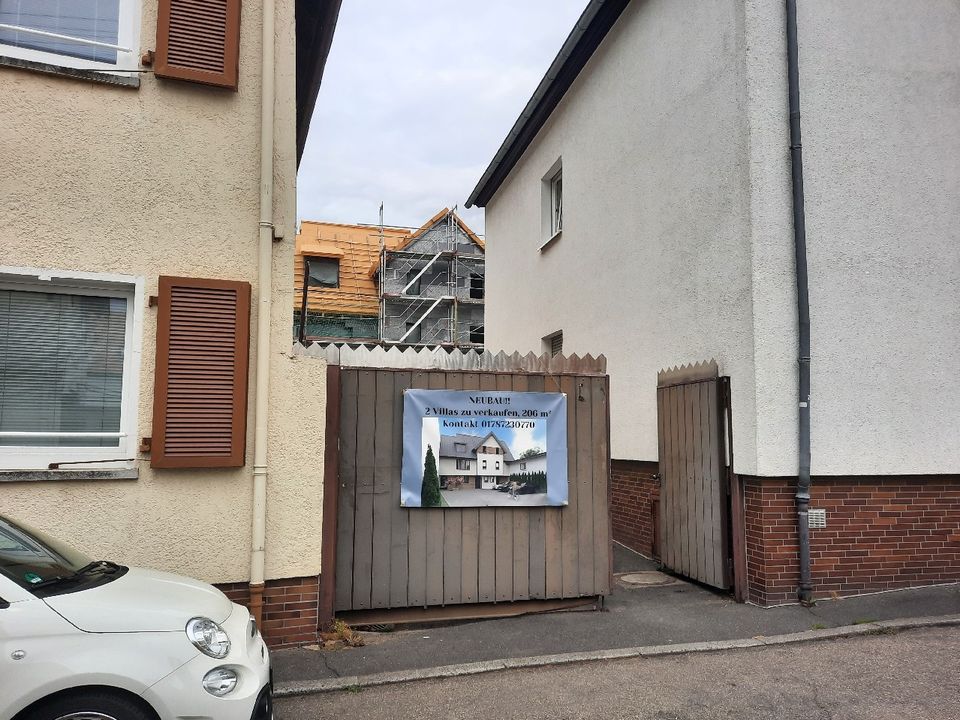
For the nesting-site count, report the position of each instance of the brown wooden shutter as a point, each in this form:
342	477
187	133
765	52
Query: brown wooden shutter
199	40
200	392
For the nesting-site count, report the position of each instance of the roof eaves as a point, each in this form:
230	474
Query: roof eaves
591	28
315	25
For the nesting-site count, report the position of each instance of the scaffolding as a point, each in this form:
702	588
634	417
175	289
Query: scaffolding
434	295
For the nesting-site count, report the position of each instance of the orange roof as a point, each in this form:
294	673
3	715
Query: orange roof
357	247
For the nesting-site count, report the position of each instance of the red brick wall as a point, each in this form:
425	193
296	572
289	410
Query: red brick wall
633	498
290	610
882	533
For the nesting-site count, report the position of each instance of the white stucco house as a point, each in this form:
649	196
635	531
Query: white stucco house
643	206
481	461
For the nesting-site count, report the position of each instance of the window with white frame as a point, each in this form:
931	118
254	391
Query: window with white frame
551	204
84	34
67	372
556	203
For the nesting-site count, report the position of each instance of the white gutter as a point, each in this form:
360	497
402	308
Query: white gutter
264	290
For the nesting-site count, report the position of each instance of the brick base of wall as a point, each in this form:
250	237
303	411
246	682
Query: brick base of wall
882	533
290	609
633	499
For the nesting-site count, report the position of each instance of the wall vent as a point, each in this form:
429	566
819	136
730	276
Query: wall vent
817	519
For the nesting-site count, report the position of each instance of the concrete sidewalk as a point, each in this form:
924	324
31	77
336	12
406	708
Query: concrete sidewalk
635	615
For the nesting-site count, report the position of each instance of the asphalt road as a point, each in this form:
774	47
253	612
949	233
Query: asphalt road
914	674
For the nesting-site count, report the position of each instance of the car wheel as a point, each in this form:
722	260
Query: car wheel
91	706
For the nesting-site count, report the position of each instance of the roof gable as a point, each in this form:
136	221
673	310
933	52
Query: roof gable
469	445
434	222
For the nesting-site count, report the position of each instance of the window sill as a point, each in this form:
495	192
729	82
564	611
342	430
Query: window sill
97	76
71	475
551	241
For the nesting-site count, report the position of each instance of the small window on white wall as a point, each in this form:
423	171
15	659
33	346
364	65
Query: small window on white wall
551	204
553	343
556	203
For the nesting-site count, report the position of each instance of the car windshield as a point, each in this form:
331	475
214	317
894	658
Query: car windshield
31	558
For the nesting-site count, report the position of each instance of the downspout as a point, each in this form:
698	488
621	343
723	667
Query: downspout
265	290
805	590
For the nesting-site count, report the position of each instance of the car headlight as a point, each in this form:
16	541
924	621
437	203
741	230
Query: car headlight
208	637
220	681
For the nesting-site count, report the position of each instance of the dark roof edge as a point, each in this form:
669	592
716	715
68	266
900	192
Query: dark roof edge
591	28
316	22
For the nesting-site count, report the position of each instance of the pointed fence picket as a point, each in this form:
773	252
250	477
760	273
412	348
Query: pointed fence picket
454	360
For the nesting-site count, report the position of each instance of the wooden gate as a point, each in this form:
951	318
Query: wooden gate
694	515
389	557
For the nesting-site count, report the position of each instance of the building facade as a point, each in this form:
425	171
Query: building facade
367	283
148	384
651	173
474	461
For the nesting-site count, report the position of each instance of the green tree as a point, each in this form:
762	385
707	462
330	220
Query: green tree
430	490
530	452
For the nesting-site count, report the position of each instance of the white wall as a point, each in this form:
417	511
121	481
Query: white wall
448	466
653	266
678	237
880	92
491	469
536	464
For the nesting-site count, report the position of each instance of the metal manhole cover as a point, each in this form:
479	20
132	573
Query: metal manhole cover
645	579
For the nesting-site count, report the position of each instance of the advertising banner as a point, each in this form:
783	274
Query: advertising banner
477	448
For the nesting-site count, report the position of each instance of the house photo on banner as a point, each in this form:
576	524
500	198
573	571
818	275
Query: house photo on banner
780	316
151	409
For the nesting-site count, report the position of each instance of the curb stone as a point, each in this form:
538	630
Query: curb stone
292	689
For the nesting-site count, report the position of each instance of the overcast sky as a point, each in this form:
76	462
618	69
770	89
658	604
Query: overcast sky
416	98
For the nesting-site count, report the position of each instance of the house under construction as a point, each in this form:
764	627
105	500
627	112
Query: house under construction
391	285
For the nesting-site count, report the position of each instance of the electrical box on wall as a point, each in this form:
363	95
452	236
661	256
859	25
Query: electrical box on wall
817	519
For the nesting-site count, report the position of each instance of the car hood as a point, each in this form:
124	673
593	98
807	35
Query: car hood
142	600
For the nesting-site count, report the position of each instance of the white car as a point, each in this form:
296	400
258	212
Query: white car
93	640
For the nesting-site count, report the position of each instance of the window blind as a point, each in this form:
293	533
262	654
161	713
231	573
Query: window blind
61	367
95	20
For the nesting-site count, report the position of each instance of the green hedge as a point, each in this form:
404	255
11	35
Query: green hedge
537	479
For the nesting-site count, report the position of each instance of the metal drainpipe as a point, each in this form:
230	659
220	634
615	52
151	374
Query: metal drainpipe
264	291
805	590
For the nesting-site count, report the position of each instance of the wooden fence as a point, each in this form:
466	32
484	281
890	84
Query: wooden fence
387	556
